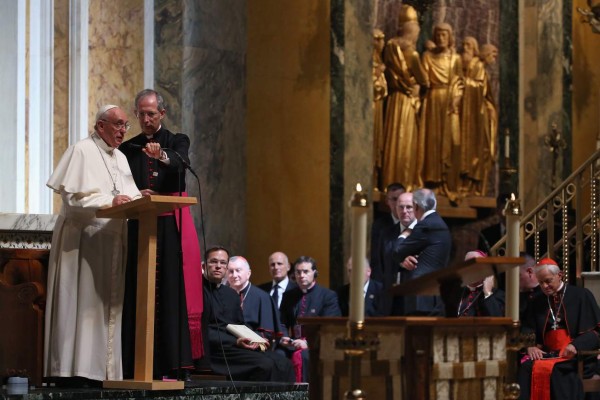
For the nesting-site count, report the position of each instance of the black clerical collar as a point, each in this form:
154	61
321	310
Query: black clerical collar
310	288
245	290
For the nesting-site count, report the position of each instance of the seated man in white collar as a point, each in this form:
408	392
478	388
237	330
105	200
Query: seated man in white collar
565	320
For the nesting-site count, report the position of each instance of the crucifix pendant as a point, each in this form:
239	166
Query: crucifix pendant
115	192
554	326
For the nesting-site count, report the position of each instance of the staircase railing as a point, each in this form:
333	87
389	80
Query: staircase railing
564	226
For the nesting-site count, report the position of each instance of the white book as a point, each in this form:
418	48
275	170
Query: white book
242	331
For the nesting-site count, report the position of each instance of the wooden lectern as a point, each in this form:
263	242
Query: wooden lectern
146	210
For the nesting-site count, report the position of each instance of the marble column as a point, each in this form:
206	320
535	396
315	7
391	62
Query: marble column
200	50
351	123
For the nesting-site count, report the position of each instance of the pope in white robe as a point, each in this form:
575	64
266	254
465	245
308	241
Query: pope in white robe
86	272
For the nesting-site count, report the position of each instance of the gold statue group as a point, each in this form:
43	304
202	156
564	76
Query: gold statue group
435	118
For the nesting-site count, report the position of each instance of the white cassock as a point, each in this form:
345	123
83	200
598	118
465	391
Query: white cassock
86	272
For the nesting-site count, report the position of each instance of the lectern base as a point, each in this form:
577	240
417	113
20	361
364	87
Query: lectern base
147	385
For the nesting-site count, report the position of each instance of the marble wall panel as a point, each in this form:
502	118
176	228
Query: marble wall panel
116	54
168	58
356	103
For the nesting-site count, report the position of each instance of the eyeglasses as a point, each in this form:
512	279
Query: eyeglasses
119	125
142	114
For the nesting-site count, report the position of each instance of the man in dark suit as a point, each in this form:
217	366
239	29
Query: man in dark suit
424	249
279	267
384	223
388	272
307	300
372	292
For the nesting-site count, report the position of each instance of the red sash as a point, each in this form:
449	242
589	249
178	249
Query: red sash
554	340
192	276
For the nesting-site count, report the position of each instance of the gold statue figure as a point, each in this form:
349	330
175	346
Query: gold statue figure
402	160
473	119
440	122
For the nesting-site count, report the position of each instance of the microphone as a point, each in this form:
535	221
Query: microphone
185	163
134	146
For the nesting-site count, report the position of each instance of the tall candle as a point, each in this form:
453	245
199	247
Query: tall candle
513	215
359	207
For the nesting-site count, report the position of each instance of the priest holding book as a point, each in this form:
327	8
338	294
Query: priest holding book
238	358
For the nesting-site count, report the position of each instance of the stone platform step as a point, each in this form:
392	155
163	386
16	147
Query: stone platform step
196	389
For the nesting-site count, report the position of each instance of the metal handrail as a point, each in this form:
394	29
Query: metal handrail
569	235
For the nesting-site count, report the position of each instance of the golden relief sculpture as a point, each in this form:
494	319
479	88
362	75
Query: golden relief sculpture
403	149
440	120
380	91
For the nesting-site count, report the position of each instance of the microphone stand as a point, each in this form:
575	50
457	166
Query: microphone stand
180	279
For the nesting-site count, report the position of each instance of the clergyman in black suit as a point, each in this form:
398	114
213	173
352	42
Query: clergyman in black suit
279	267
260	312
422	250
372	292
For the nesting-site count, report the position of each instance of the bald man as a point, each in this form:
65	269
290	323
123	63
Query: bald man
279	268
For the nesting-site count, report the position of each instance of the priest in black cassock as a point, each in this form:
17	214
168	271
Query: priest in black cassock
156	158
309	299
260	312
565	320
238	358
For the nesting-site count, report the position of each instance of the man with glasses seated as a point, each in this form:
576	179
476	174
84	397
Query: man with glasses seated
157	158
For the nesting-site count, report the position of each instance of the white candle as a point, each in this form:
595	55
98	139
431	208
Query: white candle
359	208
513	215
507	144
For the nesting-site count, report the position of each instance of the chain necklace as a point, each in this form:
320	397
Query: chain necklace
555	318
469	305
115	191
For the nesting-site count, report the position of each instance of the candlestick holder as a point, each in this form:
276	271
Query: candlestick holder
355	344
515	341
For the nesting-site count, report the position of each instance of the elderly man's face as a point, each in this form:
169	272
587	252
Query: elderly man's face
148	115
279	266
549	282
112	127
405	209
238	274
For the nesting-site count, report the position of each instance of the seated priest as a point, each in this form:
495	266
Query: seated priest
237	357
309	299
480	298
565	321
259	309
372	292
